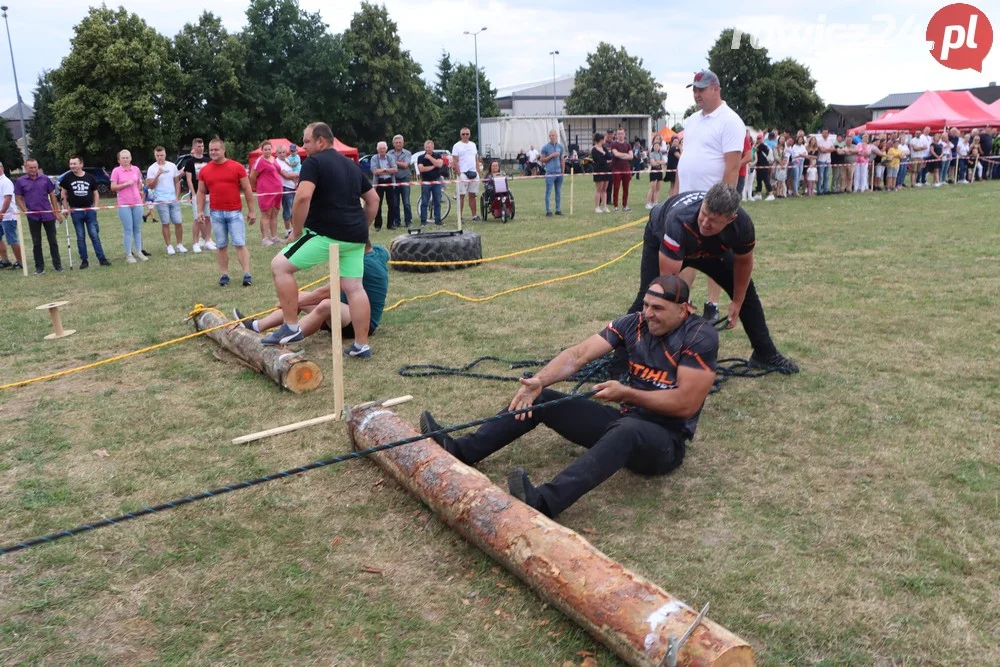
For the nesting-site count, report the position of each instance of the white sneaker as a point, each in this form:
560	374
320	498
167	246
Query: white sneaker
964	182
130	259
606	210
196	247
141	257
210	245
770	198
598	210
649	207
181	248
616	209
938	184
170	250
266	241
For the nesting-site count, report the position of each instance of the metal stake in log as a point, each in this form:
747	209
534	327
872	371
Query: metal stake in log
315	421
624	611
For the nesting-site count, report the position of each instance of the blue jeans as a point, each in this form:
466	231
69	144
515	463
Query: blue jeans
403	192
945	168
963	169
797	174
824	177
87	220
287	199
229	226
131	218
430	191
555	180
901	174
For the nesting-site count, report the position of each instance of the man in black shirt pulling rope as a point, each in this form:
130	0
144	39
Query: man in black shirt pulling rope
710	232
671	361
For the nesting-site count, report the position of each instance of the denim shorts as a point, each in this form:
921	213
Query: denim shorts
229	226
194	206
10	232
287	198
169	212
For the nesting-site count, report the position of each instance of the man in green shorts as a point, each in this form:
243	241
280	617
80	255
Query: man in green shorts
327	211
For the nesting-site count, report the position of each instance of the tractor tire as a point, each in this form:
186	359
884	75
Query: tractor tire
435	247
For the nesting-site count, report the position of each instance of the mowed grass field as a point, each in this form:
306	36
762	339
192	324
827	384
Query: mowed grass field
848	515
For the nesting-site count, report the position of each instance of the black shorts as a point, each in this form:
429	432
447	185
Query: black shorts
602	178
655	176
670	176
348	331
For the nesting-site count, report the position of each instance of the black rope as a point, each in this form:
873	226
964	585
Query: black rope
599	370
212	493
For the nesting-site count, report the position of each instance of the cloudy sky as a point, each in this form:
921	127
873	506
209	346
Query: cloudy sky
858	52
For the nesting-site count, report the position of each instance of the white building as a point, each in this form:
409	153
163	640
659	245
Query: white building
535	99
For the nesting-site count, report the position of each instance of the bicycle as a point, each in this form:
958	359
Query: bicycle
445	202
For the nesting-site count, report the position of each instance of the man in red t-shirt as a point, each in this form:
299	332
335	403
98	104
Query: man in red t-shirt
621	168
224	179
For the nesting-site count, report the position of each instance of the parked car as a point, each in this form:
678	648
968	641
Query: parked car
100	175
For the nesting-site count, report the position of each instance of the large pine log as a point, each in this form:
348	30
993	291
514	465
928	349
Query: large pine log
624	611
287	369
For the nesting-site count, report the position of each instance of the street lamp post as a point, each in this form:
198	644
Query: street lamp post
554	54
479	124
17	89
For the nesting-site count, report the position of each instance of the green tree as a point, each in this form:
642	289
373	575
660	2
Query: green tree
460	109
42	127
116	89
213	66
445	68
613	82
386	91
10	154
739	71
787	99
294	72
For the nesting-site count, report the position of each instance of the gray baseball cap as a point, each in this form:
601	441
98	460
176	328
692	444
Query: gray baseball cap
704	79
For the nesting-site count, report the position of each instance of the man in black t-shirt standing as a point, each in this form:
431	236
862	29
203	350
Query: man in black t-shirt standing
326	212
201	230
708	231
79	191
671	364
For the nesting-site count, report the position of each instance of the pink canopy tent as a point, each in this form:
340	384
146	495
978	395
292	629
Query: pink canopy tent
342	148
937	110
861	128
995	107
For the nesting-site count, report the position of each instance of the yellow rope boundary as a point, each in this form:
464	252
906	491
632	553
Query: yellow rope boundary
200	308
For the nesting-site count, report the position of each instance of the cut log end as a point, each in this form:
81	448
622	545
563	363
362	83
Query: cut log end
737	656
302	377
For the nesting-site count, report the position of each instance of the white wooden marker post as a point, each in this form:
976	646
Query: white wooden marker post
572	180
20	239
335	337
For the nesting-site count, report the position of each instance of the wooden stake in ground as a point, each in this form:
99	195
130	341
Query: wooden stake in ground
53	309
335	335
624	611
20	239
288	369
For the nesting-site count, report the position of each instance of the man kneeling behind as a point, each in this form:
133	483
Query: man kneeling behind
317	304
671	359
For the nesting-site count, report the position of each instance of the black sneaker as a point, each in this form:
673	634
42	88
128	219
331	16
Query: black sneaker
223	280
84	264
5	264
558	212
242	320
283	335
39	272
429	425
145	253
59	269
17	266
247	280
548	214
104	262
776	362
710	312
476	218
520	486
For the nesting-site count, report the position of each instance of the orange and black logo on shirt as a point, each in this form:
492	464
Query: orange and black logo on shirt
661	379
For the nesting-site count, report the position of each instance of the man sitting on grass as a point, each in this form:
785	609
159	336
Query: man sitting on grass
671	361
316	304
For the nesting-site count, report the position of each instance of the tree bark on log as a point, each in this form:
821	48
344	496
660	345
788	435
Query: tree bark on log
622	610
289	370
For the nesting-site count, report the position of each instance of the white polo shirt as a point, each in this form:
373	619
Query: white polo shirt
7	189
707	138
921	147
465	156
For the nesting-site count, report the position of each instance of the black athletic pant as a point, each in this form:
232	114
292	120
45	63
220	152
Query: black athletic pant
391	216
763	180
719	269
35	228
613	441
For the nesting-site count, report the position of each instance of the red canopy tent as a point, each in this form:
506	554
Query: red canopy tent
995	107
888	114
940	109
340	147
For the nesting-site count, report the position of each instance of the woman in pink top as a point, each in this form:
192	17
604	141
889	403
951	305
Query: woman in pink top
126	180
265	177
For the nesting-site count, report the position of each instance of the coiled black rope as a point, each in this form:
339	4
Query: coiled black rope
212	493
599	370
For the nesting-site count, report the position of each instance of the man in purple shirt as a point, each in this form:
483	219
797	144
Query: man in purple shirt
35	193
